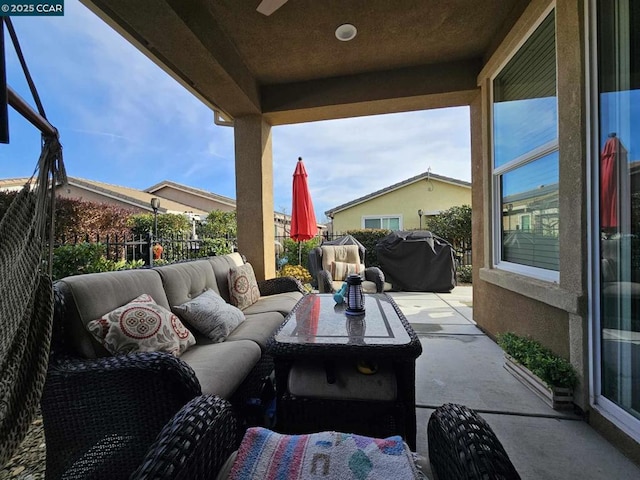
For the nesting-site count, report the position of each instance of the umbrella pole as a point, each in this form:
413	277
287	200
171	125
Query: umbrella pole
299	253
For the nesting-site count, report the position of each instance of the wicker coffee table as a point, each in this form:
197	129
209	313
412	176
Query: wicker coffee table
324	361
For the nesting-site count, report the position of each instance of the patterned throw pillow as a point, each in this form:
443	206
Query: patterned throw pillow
341	270
210	315
243	287
141	326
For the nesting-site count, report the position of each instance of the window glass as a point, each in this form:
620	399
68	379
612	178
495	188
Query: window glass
523	125
531	189
390	223
525	147
372	223
618	161
525	109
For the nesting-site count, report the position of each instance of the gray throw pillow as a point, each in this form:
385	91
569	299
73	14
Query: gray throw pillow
210	315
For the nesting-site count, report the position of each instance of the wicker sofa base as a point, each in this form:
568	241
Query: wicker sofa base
297	415
462	446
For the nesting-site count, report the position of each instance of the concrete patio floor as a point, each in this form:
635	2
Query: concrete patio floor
460	364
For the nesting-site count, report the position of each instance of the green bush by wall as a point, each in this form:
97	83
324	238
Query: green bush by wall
553	370
86	258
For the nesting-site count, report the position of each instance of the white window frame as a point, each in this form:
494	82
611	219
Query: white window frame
381	217
496	173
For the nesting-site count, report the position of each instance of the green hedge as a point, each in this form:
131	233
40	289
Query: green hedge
465	274
369	238
291	249
86	258
553	370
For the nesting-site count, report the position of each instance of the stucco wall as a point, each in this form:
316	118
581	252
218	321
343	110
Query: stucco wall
431	196
554	313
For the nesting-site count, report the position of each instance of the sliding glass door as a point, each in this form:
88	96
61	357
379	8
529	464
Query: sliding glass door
618	185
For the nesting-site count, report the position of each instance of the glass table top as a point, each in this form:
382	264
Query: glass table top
317	319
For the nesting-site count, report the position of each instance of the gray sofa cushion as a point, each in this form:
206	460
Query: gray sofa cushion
185	281
280	302
222	367
258	327
221	266
96	294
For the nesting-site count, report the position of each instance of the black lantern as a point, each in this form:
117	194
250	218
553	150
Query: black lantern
155	205
354	297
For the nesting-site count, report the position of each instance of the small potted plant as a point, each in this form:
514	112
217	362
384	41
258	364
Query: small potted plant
548	375
157	251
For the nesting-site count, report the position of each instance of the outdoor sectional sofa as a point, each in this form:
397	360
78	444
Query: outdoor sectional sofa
102	412
154	415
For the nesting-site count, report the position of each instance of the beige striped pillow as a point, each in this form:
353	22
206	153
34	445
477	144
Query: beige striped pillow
341	270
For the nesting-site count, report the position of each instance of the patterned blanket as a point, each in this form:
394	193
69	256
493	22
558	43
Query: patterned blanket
267	455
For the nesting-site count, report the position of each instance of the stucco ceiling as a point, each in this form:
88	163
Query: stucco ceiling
289	66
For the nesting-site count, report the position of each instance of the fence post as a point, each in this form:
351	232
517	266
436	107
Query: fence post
149	259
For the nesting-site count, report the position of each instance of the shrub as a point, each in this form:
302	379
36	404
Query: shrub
465	274
79	218
555	371
291	247
169	224
296	271
86	258
369	237
215	246
454	225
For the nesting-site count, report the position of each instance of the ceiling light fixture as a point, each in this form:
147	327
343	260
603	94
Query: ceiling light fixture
346	32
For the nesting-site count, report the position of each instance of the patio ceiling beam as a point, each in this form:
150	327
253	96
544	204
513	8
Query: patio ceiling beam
415	88
185	41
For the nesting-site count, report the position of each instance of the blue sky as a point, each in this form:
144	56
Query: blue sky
122	120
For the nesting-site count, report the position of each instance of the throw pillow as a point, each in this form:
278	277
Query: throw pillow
243	287
141	326
210	315
341	270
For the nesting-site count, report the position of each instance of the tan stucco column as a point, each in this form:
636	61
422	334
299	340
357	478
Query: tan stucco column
254	193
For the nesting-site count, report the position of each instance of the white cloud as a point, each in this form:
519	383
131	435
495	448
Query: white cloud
125	121
370	153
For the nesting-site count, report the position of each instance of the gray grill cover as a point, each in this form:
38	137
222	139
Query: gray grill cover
417	261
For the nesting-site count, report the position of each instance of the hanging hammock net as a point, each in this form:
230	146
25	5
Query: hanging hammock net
26	298
26	293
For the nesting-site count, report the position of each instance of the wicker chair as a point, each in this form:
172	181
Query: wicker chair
347	254
133	416
462	446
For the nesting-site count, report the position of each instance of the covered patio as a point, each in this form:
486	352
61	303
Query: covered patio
257	71
460	364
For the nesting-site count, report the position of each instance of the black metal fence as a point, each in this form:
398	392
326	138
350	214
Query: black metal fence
462	252
171	248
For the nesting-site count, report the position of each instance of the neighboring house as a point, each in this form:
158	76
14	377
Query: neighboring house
126	197
174	198
208	201
132	199
195	197
405	205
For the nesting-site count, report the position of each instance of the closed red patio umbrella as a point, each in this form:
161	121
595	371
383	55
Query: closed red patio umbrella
303	219
612	160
